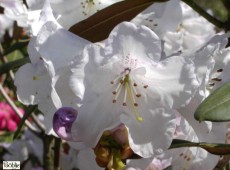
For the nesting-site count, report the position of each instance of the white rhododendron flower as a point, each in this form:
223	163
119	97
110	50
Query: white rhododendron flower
15	10
70	12
207	63
126	82
66	12
53	48
177	24
192	157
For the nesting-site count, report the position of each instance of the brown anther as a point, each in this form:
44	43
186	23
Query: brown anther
146	86
138	95
114	92
114	101
135	84
188	159
155	25
124	104
127	69
216	79
121	81
135	104
112	82
219	70
185	157
181	154
211	84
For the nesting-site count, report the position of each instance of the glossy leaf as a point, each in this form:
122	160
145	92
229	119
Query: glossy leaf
216	107
97	27
213	148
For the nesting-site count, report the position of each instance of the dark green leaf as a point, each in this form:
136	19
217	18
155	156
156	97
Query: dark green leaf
216	107
4	68
14	47
6	137
97	27
214	148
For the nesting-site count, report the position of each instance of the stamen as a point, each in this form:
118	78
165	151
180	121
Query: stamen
118	91
139	118
145	86
219	70
125	97
211	84
186	156
216	79
115	80
134	89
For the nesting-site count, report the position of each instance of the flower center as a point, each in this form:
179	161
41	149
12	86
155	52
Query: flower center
89	6
215	80
187	157
124	83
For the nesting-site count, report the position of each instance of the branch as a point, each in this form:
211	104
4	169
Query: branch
13	64
14	107
37	122
48	152
15	46
57	151
210	18
4	60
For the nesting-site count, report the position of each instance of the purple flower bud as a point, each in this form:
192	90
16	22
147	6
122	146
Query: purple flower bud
63	120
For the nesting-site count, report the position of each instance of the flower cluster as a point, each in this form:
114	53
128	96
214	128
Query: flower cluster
9	120
121	102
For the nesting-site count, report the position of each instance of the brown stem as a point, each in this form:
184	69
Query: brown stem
48	152
57	151
210	18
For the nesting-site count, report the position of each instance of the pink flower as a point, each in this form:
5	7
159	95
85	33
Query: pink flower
8	118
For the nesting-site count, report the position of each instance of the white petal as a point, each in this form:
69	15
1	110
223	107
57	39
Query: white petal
137	164
96	115
139	42
175	79
57	45
146	138
160	17
86	160
33	84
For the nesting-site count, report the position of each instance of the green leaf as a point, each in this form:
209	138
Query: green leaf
4	68
98	27
6	137
213	148
169	168
216	107
14	47
28	112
